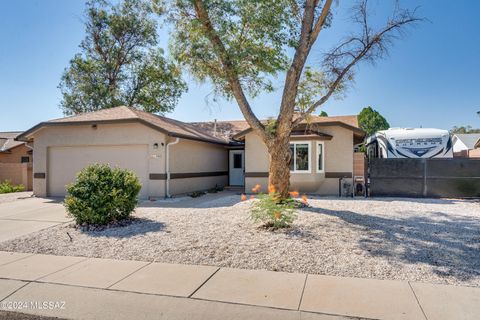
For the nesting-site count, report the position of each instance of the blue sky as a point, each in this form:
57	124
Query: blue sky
430	78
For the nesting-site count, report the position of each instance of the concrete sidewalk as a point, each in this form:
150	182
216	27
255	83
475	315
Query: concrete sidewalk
88	288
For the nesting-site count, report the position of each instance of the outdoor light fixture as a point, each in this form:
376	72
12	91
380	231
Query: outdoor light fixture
155	145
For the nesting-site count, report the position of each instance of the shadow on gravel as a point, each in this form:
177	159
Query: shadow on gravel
450	246
125	229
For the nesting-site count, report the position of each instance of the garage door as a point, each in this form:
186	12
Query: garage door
65	162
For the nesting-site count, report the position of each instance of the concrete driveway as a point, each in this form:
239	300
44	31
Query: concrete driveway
25	216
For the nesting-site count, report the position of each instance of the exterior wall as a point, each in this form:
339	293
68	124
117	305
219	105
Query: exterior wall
105	134
474	153
14	155
190	158
338	158
17	173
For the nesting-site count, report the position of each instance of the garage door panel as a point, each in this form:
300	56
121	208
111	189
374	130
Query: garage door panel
65	162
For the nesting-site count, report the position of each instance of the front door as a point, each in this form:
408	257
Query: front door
237	168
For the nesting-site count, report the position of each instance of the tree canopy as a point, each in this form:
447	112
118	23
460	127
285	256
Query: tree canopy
464	129
120	62
371	121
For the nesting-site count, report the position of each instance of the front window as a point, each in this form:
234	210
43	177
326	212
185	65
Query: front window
300	157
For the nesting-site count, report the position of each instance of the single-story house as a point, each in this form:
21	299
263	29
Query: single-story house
466	145
15	160
173	157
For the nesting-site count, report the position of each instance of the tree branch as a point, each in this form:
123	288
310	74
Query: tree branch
229	70
320	22
369	46
294	72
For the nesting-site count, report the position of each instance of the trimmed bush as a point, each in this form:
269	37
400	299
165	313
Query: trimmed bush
8	187
101	195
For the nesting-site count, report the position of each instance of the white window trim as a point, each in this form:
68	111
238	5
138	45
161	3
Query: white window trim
309	157
323	157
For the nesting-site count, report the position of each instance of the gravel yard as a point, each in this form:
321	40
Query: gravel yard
386	238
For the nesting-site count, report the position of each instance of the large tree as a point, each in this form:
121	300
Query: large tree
120	62
371	121
240	45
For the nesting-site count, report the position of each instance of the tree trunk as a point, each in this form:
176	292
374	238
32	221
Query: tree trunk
279	171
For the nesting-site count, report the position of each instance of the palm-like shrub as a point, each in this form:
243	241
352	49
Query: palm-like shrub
271	211
102	194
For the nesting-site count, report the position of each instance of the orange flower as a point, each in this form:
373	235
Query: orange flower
244	197
252	197
256	188
271	188
294	194
304	199
278	215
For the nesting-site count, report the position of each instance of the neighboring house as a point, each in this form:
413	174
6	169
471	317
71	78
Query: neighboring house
15	160
466	145
12	151
172	157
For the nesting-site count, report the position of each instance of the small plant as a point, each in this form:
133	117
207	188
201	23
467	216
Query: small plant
196	194
272	211
215	189
101	195
8	187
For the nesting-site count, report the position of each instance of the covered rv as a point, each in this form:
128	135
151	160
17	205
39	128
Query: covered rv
410	143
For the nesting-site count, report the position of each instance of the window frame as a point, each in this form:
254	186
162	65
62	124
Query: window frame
23	158
309	144
322	143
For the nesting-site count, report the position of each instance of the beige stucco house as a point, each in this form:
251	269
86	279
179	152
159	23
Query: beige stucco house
172	157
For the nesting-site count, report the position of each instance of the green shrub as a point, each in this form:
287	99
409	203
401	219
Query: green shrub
8	187
274	213
196	194
216	189
101	195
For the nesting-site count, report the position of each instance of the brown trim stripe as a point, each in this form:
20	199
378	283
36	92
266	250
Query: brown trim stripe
158	176
256	174
163	176
338	174
39	175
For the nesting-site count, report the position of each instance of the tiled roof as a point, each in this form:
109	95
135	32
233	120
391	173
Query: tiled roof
227	129
122	113
7	141
216	132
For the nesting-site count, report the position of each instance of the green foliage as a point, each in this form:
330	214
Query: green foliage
256	36
120	62
272	212
323	114
371	121
463	130
101	195
312	86
196	194
8	187
271	127
215	189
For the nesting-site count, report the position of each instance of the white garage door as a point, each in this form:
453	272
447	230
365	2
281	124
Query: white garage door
65	162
